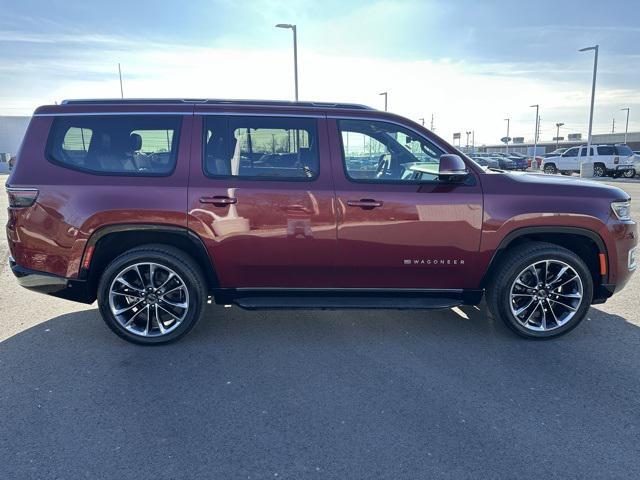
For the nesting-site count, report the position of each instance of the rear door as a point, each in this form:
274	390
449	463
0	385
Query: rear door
261	196
395	230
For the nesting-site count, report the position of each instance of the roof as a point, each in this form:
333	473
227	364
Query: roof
206	101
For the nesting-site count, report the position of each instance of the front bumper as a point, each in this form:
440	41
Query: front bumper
69	289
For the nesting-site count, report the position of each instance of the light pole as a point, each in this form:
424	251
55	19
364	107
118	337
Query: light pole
295	52
626	128
534	163
558	125
120	76
385	99
593	94
468	133
508	120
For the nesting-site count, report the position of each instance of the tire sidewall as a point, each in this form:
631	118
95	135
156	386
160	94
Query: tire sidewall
504	299
192	282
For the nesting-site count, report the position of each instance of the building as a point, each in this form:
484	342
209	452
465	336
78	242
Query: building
633	140
11	132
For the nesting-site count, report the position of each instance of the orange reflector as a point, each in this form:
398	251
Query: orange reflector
603	264
89	253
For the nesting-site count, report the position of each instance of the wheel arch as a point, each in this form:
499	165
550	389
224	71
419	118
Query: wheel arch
587	244
107	242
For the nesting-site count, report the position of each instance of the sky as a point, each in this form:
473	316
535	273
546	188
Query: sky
470	64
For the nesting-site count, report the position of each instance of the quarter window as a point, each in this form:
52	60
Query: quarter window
116	144
261	147
384	152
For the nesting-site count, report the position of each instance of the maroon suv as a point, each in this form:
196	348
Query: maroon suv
152	206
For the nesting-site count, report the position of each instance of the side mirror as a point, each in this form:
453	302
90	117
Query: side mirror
452	167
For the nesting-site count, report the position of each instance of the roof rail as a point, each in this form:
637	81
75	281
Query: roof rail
207	101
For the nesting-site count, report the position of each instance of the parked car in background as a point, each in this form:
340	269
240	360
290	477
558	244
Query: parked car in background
555	153
155	207
12	162
486	162
608	159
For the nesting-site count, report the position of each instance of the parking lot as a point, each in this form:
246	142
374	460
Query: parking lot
317	394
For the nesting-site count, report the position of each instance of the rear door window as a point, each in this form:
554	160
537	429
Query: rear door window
261	148
606	150
116	144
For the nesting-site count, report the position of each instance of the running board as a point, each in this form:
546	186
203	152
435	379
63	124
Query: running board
255	302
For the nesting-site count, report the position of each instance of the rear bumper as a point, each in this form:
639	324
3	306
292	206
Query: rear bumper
69	289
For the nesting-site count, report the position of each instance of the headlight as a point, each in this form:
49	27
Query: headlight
622	209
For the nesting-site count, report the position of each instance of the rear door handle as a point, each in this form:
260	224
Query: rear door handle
219	200
364	203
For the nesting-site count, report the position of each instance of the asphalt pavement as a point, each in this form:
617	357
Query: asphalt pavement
317	394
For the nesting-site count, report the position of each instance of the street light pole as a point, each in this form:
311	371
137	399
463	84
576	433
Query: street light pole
508	120
468	133
385	99
558	125
295	53
593	94
534	163
626	128
120	76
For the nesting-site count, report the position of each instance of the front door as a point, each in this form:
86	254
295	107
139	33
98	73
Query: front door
398	225
261	196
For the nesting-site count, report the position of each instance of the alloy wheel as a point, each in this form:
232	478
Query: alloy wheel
546	295
148	299
598	171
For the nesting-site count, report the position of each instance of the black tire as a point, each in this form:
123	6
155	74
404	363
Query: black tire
172	258
629	173
550	169
498	295
599	170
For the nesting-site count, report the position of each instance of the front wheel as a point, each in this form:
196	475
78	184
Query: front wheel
550	169
629	173
152	295
541	290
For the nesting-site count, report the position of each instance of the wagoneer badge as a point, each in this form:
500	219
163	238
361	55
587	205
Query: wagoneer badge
433	261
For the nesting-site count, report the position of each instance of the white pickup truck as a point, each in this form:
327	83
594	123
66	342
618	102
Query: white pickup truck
614	160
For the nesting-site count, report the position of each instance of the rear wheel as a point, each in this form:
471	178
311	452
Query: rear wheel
550	168
152	295
541	290
599	170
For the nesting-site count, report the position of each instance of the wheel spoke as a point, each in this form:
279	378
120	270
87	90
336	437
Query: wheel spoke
133	317
535	273
531	314
159	321
141	277
182	305
120	311
557	278
565	282
573	309
543	319
127	284
170	313
522	309
569	295
552	312
152	268
171	275
179	287
127	294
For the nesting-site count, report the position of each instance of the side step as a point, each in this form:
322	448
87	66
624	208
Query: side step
255	302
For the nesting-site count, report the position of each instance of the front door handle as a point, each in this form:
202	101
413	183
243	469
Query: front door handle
219	200
364	203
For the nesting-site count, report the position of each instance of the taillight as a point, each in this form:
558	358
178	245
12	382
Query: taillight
21	197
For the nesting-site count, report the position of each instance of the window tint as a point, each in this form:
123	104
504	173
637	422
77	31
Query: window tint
583	151
606	150
572	152
261	147
623	150
116	144
379	151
